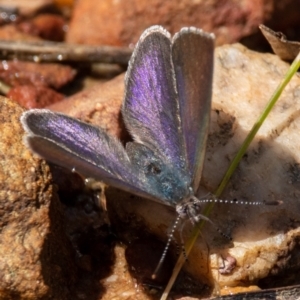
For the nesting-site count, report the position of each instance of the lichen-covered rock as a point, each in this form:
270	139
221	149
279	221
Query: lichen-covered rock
35	256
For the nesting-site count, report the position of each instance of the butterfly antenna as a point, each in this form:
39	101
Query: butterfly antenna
163	256
212	200
197	218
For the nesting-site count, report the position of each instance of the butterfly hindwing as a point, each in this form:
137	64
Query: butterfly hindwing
192	53
87	149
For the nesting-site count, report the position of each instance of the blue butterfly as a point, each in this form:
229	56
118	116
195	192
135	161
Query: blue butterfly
166	109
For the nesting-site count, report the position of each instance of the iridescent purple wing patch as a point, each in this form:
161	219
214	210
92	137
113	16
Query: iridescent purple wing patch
166	109
151	106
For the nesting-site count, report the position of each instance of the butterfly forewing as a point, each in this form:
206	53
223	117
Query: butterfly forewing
151	107
192	53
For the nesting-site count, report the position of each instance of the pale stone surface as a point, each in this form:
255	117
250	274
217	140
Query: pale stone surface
262	236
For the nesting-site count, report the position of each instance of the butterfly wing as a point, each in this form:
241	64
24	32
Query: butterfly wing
71	143
151	106
192	53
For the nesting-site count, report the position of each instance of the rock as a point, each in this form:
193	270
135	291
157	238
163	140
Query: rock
30	96
26	8
46	26
33	84
10	32
264	238
35	255
14	72
121	23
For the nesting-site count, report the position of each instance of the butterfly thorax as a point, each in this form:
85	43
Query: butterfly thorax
168	183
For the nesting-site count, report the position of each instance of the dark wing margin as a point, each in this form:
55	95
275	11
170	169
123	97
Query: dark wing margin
74	144
151	107
193	55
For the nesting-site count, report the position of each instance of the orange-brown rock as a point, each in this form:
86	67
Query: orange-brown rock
46	26
35	255
47	74
120	23
34	96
